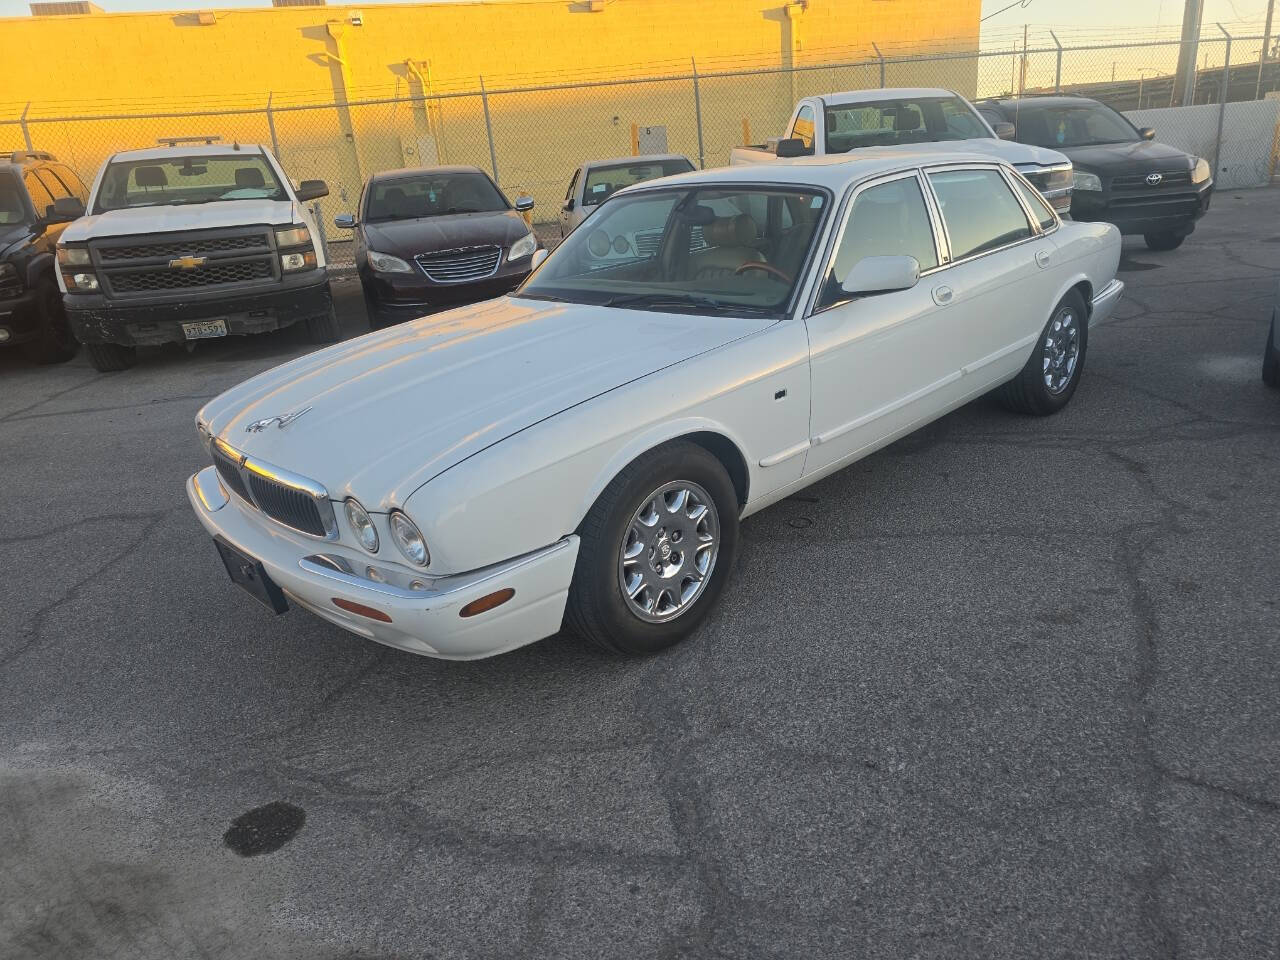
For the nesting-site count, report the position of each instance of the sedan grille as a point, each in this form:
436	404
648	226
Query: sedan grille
460	266
294	501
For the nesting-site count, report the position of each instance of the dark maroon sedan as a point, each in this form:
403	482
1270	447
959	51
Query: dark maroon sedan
437	237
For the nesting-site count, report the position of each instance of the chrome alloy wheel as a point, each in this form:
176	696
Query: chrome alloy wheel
1061	350
668	551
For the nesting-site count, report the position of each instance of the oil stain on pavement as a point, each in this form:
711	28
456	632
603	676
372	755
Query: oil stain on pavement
264	829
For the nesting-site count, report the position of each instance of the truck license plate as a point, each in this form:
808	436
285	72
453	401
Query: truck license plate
204	329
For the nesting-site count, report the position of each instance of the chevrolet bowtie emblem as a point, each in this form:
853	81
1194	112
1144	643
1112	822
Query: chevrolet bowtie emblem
281	421
187	263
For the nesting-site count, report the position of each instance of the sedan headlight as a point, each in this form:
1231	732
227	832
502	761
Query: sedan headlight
295	236
523	247
409	539
73	256
7	272
386	263
1082	180
1200	171
361	525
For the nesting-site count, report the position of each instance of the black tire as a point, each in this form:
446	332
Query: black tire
597	610
1164	241
1271	359
371	309
111	357
1028	392
324	328
56	344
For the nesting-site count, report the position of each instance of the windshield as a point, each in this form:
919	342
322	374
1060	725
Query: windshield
604	182
1084	125
174	181
887	123
11	206
709	250
410	198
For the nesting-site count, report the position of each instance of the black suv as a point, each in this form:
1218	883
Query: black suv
31	311
1121	175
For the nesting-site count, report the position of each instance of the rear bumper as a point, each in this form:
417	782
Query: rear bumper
425	620
97	319
19	318
1144	214
1104	304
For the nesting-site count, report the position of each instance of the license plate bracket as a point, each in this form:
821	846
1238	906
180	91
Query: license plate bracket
205	329
248	573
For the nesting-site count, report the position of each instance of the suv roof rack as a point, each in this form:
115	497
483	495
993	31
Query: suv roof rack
18	156
174	141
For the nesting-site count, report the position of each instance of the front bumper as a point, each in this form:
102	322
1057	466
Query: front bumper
98	319
19	318
397	297
1104	304
424	620
1156	211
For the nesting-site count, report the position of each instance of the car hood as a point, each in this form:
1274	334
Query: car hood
407	238
1143	156
196	216
11	234
386	412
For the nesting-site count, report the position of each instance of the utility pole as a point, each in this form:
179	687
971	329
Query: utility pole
1184	83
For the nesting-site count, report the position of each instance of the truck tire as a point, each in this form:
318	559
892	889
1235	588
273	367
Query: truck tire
111	357
324	328
56	343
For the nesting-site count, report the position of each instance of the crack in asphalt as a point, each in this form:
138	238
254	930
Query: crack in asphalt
14	418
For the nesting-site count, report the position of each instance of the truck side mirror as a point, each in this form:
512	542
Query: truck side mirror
568	205
538	256
1005	130
312	190
64	210
792	147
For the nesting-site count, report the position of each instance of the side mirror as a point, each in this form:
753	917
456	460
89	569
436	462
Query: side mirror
538	256
1147	133
872	275
1004	130
568	205
64	210
312	190
792	147
346	221
524	203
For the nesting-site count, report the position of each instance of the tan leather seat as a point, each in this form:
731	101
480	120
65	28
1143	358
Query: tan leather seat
728	241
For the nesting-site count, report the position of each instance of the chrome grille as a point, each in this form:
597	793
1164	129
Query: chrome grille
289	499
460	266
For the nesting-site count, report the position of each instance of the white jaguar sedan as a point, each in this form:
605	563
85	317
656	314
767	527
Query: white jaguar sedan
581	452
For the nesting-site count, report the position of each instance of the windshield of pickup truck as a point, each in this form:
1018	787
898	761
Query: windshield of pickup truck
604	182
409	198
708	250
1086	125
887	123
177	181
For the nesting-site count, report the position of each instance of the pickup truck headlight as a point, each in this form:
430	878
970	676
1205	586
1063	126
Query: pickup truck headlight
1200	171
523	247
1083	180
409	539
289	262
81	282
361	525
295	236
386	263
73	256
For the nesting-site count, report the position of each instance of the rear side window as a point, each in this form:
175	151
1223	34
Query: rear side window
1039	209
52	184
72	182
41	199
979	211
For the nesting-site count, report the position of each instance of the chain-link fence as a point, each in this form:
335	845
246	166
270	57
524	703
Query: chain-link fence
532	138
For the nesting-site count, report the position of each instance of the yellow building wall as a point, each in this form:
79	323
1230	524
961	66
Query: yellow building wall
168	66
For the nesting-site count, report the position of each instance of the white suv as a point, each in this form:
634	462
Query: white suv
187	242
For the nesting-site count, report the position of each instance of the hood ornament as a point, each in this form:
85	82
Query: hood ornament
281	421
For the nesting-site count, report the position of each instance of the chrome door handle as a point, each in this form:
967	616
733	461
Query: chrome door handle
942	295
1042	257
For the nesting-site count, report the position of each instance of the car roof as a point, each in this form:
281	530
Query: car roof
188	150
640	158
407	173
1031	103
833	171
884	93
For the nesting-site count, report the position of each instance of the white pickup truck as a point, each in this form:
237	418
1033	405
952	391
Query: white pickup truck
841	122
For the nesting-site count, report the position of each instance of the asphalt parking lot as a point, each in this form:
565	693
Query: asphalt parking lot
1008	688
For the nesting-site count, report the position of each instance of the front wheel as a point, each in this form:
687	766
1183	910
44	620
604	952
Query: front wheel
111	357
56	343
324	328
1051	373
656	550
1164	241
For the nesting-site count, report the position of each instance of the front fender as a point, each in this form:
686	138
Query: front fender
37	267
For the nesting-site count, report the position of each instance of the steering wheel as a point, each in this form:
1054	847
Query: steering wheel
761	265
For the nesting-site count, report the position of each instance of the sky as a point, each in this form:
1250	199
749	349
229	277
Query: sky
1078	18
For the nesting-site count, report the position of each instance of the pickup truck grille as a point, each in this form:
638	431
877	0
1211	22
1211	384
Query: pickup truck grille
192	260
293	501
460	266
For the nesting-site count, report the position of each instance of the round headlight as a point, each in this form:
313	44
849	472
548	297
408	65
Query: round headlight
409	539
362	526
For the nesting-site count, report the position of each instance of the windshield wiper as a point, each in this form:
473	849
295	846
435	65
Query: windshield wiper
642	300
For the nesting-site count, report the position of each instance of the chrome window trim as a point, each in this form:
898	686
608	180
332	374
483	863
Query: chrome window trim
841	222
977	165
287	478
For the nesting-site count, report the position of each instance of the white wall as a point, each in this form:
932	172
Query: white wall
1248	135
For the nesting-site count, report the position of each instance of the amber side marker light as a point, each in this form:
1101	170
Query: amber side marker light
361	610
487	602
